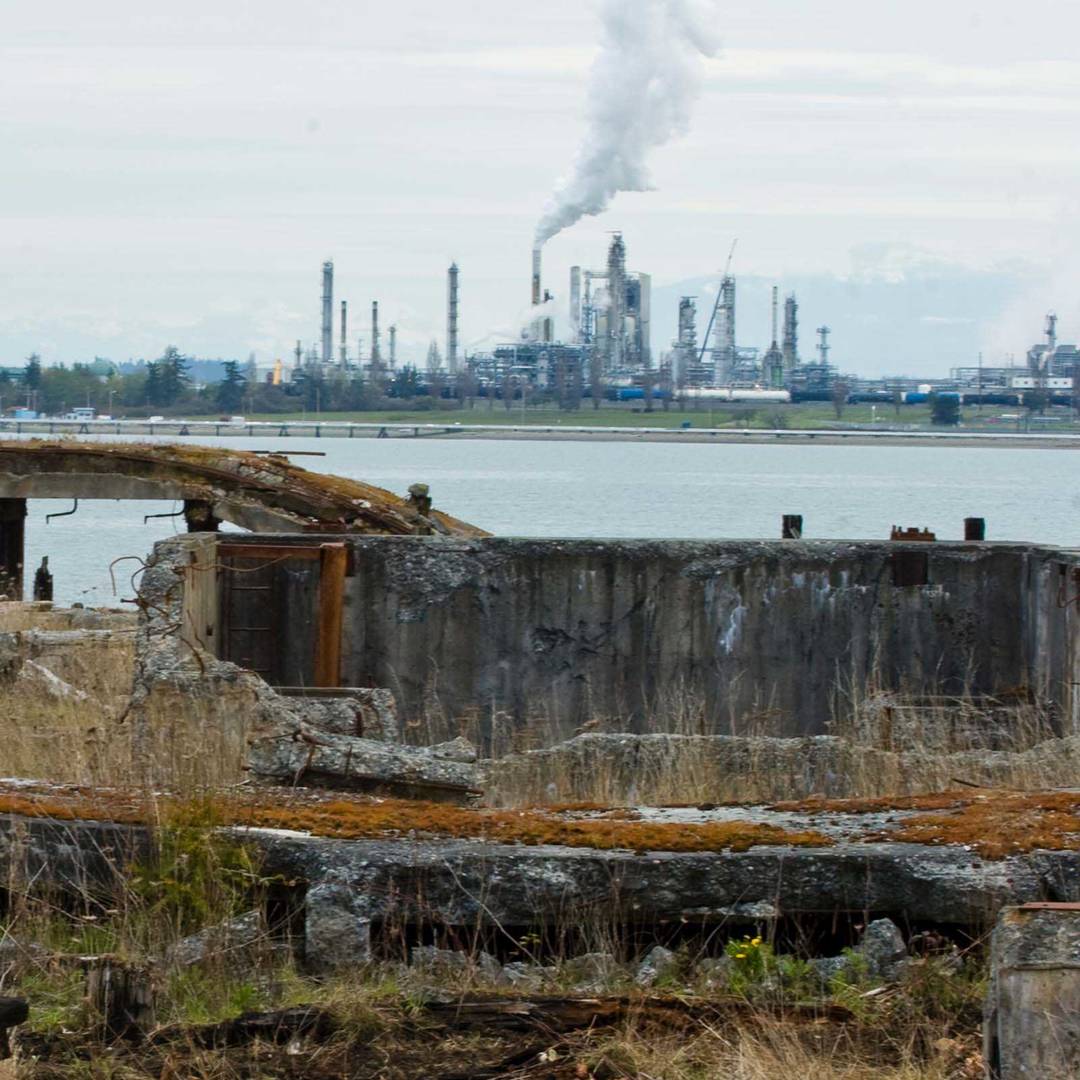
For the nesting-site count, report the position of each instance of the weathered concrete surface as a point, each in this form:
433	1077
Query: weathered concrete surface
199	719
1032	1024
475	883
633	770
314	758
469	883
528	639
368	714
259	492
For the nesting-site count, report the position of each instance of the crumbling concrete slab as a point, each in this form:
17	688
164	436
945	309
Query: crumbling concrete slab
475	883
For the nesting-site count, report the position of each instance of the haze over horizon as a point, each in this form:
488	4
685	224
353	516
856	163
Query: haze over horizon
179	176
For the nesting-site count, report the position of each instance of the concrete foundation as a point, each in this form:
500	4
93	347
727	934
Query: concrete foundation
520	643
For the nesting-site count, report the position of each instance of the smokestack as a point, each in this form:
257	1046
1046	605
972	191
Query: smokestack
344	326
327	311
791	333
375	355
393	347
575	304
536	295
298	352
775	315
452	319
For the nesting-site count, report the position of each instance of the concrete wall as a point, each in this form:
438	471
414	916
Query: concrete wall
524	641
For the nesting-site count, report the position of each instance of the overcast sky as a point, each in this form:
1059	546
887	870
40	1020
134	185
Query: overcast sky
177	173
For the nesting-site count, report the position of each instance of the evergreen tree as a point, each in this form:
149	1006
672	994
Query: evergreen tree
172	376
230	391
32	372
152	387
944	410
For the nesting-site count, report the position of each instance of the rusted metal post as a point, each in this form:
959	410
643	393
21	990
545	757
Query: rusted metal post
974	530
333	570
792	527
1032	1022
43	581
12	544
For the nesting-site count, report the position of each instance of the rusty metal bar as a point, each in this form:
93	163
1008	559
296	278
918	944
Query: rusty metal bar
333	571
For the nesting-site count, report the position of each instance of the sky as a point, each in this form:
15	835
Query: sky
176	174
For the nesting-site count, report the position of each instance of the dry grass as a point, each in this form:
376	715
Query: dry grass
770	1049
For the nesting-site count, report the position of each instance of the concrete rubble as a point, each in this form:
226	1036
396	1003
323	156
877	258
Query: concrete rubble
350	741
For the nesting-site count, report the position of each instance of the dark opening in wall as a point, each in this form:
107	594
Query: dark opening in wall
910	569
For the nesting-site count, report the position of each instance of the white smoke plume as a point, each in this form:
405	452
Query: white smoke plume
643	84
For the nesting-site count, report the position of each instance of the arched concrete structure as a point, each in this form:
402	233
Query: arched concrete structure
261	493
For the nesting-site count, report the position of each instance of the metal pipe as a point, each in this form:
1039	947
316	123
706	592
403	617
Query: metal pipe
327	311
63	513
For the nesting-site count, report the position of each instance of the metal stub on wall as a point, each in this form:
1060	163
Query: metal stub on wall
974	530
911	569
918	536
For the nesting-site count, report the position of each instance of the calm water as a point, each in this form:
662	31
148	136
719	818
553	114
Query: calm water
629	490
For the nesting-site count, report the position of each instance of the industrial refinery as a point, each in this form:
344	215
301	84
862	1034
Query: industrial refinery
596	342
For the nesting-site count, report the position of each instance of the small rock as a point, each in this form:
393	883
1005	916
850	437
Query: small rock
451	962
525	977
884	950
592	971
337	933
881	956
226	940
828	968
658	964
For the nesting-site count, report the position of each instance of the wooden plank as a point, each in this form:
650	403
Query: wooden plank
334	568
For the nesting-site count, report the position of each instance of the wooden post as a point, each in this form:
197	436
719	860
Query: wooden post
975	530
1032	1022
333	568
12	543
792	527
120	998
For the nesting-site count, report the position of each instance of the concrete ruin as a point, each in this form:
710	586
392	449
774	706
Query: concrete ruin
255	491
493	673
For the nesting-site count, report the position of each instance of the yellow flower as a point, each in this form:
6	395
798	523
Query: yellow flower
756	942
740	956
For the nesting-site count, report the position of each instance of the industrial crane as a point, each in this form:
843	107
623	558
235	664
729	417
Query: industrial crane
719	299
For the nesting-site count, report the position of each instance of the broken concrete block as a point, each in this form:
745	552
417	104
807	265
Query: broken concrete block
337	931
884	950
528	978
660	963
592	972
1032	1024
224	941
362	713
445	962
306	756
